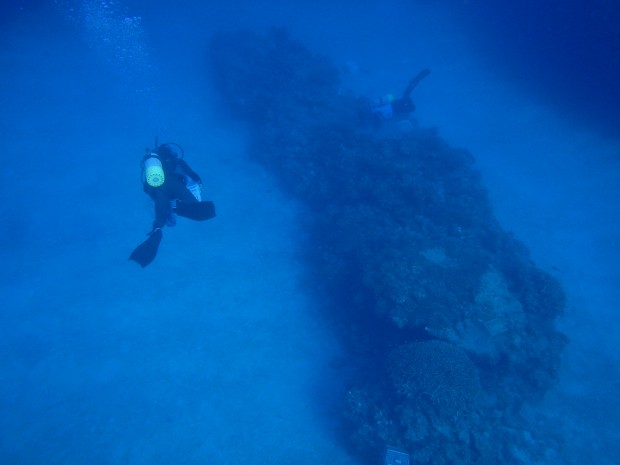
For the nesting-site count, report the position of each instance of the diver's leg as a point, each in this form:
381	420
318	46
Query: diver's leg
162	207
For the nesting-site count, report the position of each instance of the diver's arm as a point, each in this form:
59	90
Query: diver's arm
415	81
188	171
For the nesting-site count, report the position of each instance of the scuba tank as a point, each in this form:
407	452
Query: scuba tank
153	170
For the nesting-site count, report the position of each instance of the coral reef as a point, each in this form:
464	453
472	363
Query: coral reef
435	374
450	322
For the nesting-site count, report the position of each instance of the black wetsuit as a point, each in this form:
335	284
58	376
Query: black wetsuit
173	188
401	106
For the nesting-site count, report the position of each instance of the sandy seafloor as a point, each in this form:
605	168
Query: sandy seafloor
216	353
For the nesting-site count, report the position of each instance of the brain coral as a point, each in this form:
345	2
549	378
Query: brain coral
435	372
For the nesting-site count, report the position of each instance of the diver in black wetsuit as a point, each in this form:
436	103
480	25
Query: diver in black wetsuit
175	173
386	109
164	178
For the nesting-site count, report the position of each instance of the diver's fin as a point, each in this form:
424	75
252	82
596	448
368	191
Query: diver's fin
415	81
145	253
198	211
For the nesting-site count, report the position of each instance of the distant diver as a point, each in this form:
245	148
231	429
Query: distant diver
386	108
176	189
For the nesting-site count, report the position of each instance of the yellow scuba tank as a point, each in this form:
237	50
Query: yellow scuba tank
153	171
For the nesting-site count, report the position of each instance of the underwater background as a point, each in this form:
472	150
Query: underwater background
272	334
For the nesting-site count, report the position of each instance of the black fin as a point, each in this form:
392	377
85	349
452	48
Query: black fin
198	211
145	253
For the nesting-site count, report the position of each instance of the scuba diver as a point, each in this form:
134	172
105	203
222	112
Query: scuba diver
176	190
386	108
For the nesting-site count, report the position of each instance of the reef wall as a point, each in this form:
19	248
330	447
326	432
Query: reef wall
448	322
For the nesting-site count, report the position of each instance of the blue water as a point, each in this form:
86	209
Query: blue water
217	352
563	51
